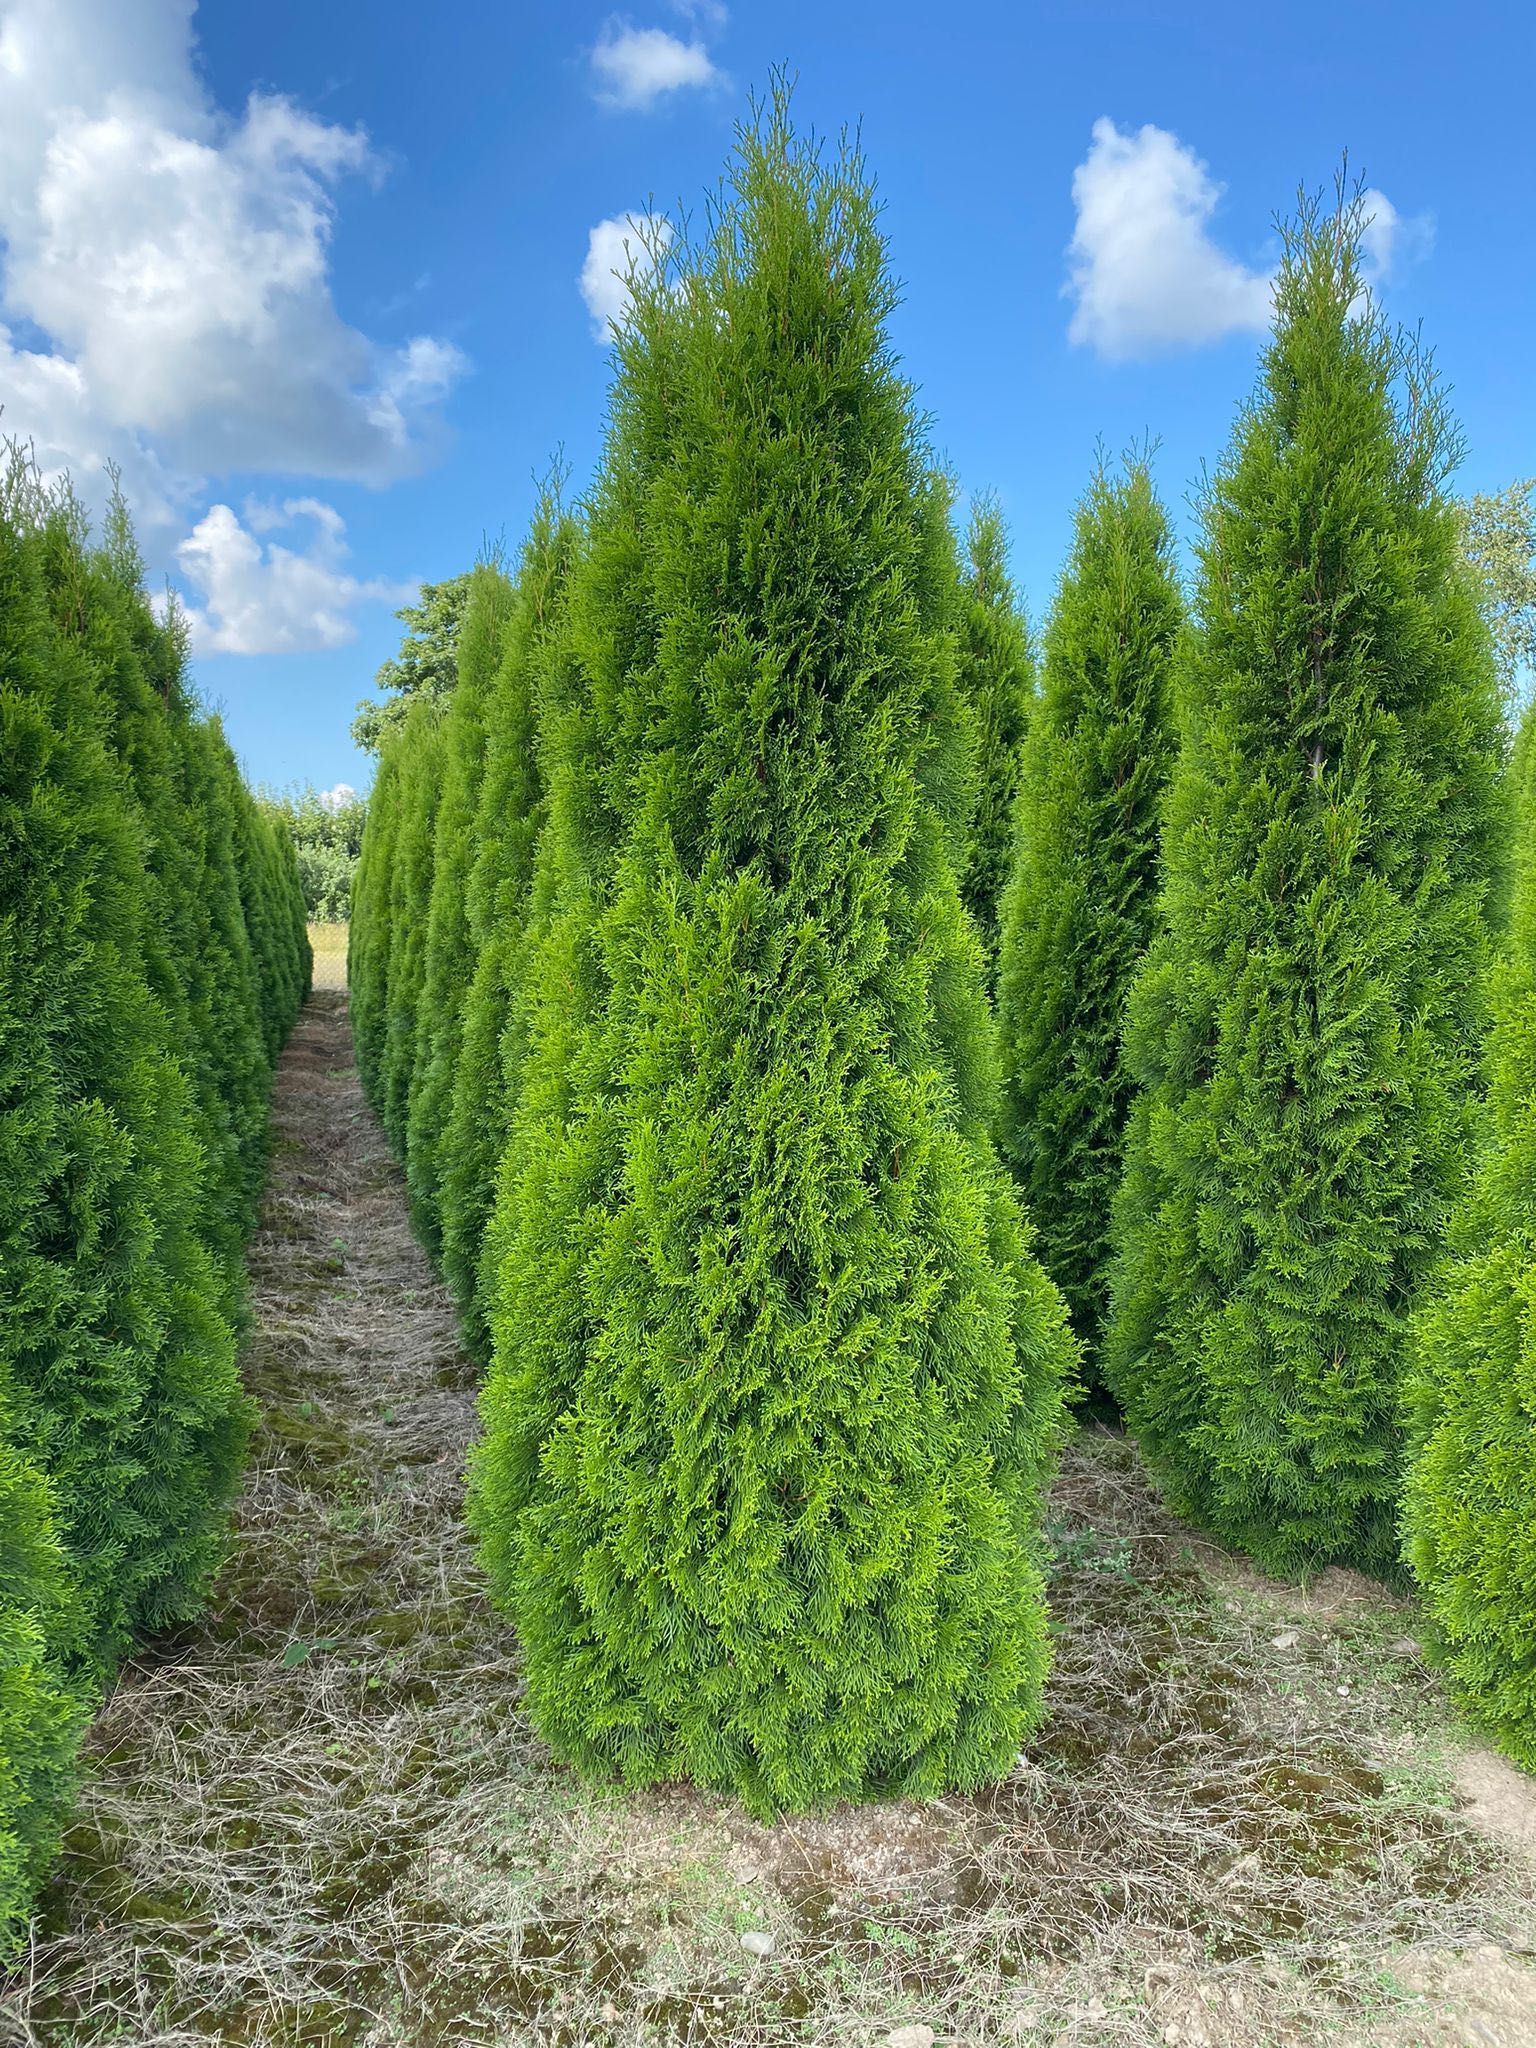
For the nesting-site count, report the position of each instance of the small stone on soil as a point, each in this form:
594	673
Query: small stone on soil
910	2037
756	1943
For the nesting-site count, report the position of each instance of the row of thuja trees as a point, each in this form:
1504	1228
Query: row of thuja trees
152	959
750	945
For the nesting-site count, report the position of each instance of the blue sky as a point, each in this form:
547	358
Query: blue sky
310	275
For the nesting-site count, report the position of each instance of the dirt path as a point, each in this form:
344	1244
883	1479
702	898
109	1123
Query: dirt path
262	1791
322	1822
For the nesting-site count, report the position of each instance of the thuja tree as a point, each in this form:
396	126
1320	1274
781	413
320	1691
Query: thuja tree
449	961
368	929
765	1439
1078	909
1306	1026
996	674
410	897
1469	1510
117	1363
223	961
498	898
222	935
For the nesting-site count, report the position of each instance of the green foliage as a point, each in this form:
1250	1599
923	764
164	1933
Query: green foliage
1305	1028
368	933
776	1380
326	832
1499	535
410	897
1469	1501
123	1419
40	1717
498	901
427	666
1078	910
996	672
450	954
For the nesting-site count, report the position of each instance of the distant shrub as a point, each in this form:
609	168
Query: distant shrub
326	828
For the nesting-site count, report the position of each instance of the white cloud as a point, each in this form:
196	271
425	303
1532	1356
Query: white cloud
178	259
338	798
629	244
45	400
265	598
166	303
634	67
1390	241
1144	271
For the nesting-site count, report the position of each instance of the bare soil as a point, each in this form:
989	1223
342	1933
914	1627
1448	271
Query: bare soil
322	1818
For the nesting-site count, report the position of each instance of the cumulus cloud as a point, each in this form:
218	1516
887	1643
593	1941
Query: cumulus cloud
1144	270
1390	241
635	67
166	312
261	597
627	246
338	797
176	260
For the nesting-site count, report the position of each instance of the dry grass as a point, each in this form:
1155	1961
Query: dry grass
328	943
323	1819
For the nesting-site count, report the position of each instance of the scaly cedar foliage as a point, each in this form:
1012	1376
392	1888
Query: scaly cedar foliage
1305	1030
368	929
123	1419
776	1380
410	898
1078	910
498	902
40	1716
996	672
450	957
1469	1501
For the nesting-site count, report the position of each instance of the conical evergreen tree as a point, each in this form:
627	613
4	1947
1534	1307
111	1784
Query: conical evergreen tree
1469	1506
410	898
450	956
505	838
997	674
368	929
1078	910
117	1365
121	1417
765	1437
1306	1026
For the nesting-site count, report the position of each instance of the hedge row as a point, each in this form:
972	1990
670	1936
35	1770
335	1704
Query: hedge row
152	958
674	930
